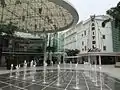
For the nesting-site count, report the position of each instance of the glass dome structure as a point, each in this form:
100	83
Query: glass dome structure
38	15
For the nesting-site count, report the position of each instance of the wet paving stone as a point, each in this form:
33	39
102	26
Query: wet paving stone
3	85
35	87
3	79
67	81
53	88
11	88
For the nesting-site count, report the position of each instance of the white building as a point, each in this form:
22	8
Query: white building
70	39
90	34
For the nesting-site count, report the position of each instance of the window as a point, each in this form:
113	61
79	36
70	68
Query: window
93	33
93	24
92	19
82	49
93	46
103	36
104	48
82	35
93	37
84	32
93	42
85	48
82	43
93	28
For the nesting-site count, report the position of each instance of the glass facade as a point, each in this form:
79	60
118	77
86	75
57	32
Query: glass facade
116	36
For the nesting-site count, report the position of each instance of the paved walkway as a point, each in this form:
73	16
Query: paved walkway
109	69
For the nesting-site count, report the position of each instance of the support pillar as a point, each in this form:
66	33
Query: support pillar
45	46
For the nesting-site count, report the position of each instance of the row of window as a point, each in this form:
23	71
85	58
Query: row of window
85	48
93	37
93	42
70	39
70	32
84	34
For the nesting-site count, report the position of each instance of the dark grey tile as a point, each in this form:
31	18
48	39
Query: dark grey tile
62	85
23	84
53	88
3	85
35	87
14	82
11	88
113	83
4	79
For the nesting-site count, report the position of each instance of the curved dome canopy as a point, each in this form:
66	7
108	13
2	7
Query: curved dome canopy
38	15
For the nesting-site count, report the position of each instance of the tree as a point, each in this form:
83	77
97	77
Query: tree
71	52
114	12
7	32
7	29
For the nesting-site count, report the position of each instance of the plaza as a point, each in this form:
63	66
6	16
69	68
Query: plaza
45	46
67	79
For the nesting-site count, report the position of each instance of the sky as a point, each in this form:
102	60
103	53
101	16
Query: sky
86	8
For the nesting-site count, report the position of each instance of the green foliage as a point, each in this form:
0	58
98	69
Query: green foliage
7	29
106	21
72	52
94	50
114	12
6	33
3	4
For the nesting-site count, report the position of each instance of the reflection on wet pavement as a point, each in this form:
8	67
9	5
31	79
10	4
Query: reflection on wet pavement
66	81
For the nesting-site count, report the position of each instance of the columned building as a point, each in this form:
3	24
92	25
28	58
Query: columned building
90	34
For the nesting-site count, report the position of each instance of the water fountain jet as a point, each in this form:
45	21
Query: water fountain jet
44	77
77	79
25	68
58	75
11	71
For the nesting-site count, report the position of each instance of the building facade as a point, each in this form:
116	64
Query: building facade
116	36
90	34
70	39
